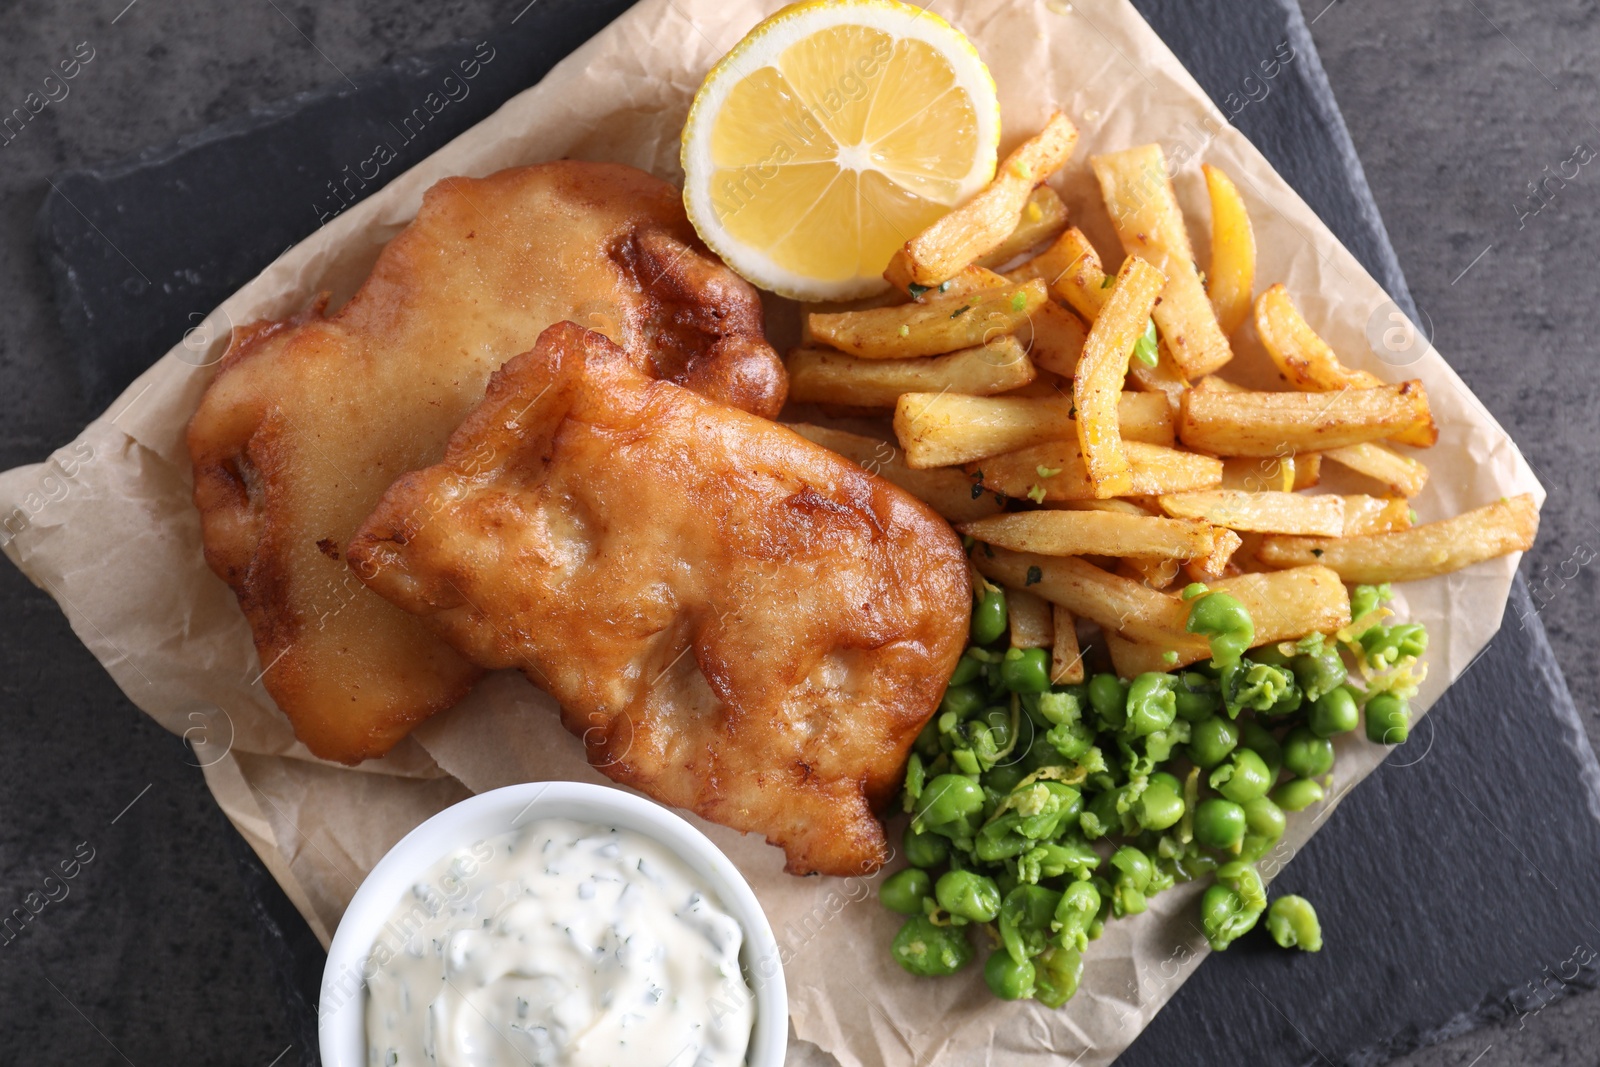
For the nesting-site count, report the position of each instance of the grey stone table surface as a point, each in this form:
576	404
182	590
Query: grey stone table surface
1470	118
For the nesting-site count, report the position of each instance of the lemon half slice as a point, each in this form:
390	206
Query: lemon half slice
836	131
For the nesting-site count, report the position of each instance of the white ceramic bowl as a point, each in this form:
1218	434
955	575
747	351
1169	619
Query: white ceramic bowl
342	1011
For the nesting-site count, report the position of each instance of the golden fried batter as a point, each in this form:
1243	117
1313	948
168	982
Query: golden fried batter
309	420
734	619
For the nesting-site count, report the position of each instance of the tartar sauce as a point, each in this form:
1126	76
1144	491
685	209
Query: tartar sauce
561	943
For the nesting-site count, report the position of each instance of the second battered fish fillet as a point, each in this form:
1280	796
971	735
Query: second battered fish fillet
735	620
309	420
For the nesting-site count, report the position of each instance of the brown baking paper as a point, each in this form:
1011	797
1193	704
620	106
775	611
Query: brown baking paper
107	528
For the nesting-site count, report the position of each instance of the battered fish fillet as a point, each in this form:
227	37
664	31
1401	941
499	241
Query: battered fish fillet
309	420
734	620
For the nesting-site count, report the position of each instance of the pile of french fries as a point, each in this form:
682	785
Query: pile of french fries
1095	483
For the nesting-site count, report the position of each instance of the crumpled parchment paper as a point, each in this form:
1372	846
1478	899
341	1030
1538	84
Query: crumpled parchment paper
106	526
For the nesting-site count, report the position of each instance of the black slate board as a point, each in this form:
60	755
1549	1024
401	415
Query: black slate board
1458	884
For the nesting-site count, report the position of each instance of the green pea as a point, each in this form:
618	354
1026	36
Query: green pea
1211	739
1230	908
1109	698
1196	696
1075	914
1007	978
1058	706
1026	670
1219	823
1071	856
1151	704
929	950
1334	712
1070	741
1264	826
1386	646
968	667
998	720
1225	622
948	798
1133	866
1025	918
1288	703
1243	777
963	701
1293	923
1364	599
905	890
1297	794
1003	779
1319	672
1101	816
1259	739
1388	719
1272	655
969	895
1161	803
1135	872
926	849
1058	971
989	619
966	760
1306	755
1260	687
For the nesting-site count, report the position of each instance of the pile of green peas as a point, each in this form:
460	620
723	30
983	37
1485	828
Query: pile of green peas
1040	812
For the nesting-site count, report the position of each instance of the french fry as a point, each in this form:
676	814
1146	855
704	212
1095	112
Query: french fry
1283	605
1043	217
949	492
930	328
1301	356
1164	378
1425	551
1097	384
1139	196
1245	558
1031	623
1112	602
1272	424
1055	470
1401	474
1094	533
1143	417
1072	269
971	279
887	298
1375	514
823	376
1268	511
1045	386
1054	338
1232	276
940	429
1115	505
1215	566
1154	573
1066	658
983	223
